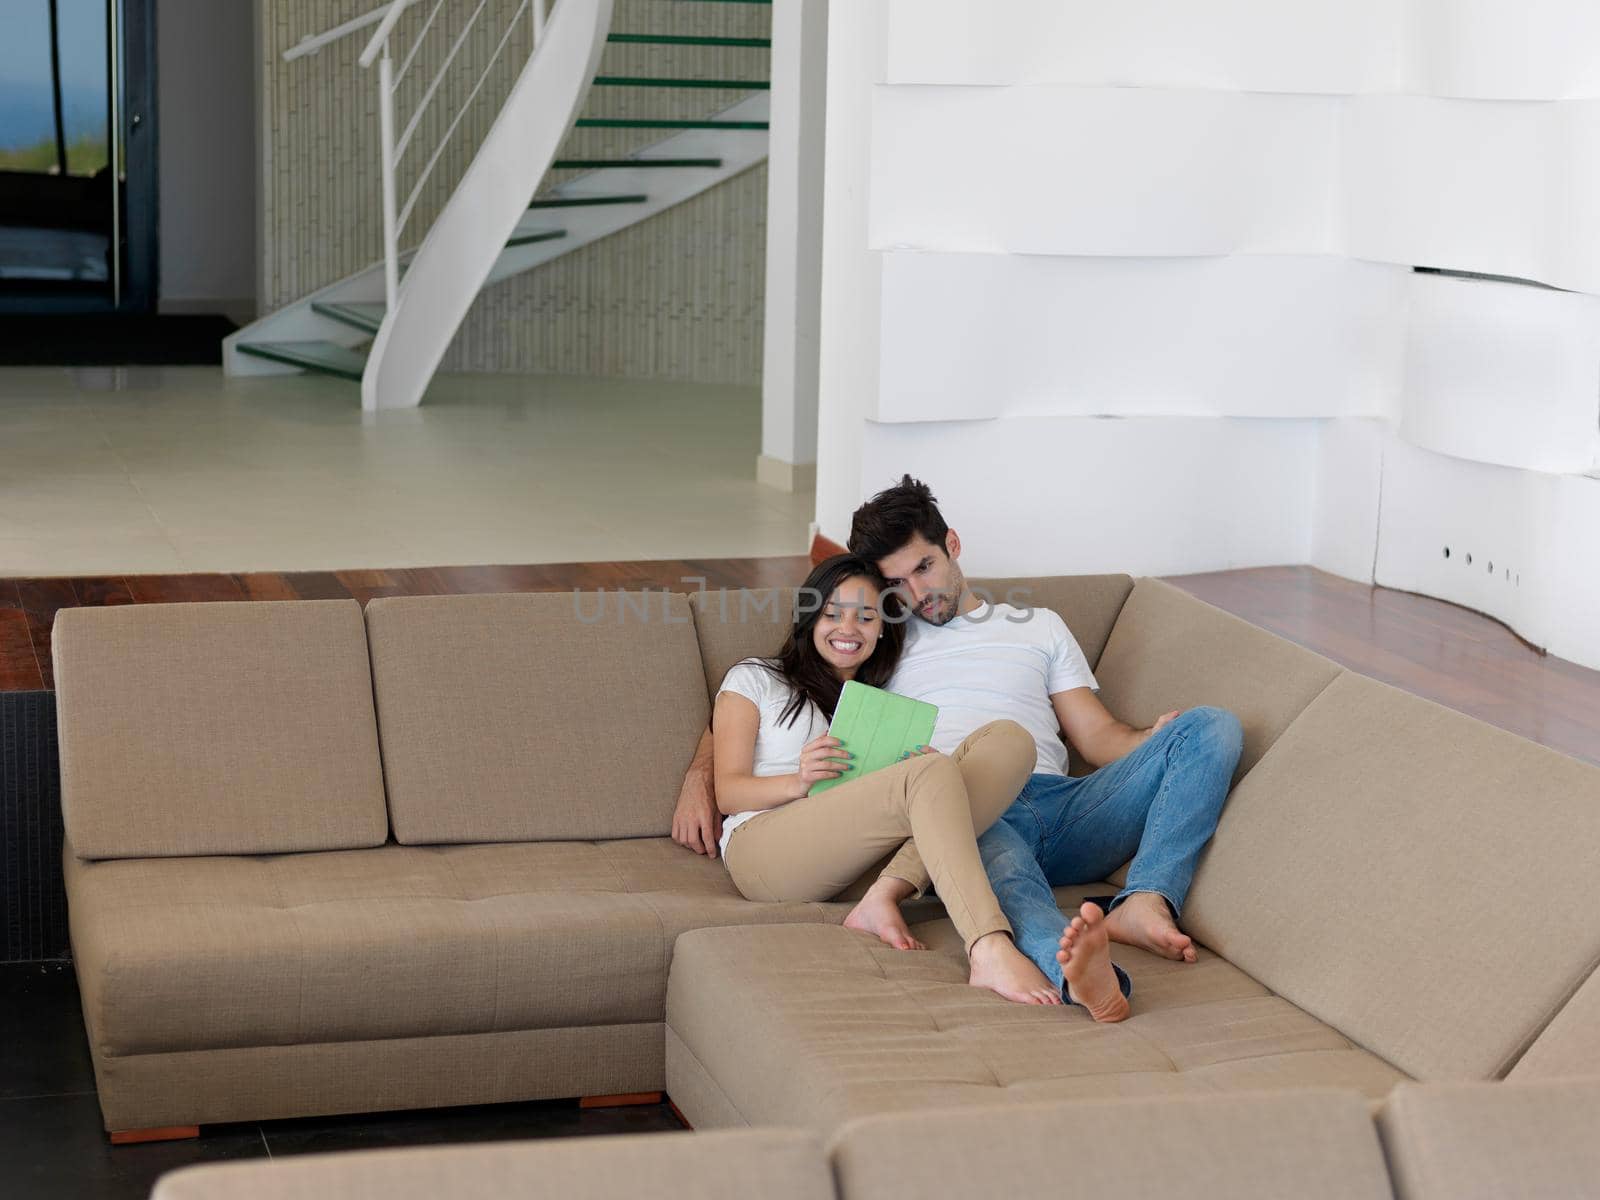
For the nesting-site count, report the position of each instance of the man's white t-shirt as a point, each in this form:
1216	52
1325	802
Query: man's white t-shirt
996	662
778	746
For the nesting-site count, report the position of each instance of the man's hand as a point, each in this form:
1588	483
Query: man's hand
1161	721
1091	730
697	823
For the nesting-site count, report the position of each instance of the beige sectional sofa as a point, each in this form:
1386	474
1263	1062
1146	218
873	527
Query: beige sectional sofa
323	861
1429	1142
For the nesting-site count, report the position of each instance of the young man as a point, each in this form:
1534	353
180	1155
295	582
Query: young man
1155	798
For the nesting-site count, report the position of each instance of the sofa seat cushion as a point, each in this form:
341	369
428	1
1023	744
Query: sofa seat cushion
396	941
815	1025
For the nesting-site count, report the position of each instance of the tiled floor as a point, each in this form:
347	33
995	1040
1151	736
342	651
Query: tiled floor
178	469
52	1144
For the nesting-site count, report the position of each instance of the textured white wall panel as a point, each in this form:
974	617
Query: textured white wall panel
1344	514
1503	49
1495	522
1494	186
1531	538
1489	49
1503	373
1069	495
1573	552
980	335
1235	45
1502	187
1105	171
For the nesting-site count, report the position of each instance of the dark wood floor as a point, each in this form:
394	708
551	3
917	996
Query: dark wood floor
28	606
1459	658
1452	655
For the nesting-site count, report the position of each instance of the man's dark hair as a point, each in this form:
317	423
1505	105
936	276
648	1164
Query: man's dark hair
891	518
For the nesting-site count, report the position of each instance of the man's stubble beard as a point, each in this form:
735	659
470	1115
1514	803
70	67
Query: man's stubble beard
949	601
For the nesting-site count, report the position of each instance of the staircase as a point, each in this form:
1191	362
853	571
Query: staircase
588	152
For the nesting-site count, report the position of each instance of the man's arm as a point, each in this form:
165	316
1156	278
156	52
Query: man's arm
1097	736
697	823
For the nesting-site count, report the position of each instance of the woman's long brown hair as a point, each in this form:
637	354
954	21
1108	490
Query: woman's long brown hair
802	667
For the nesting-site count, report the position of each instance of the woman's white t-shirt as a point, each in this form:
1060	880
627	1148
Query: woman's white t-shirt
778	745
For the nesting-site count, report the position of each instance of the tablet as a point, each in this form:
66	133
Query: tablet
876	727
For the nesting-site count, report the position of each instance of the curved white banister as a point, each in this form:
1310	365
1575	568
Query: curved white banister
314	42
459	251
380	37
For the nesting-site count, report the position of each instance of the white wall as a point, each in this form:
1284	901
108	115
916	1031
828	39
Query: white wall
205	105
1131	287
794	243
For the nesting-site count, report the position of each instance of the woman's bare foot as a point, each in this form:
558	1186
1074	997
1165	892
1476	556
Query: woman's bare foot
878	913
1143	920
1085	958
998	965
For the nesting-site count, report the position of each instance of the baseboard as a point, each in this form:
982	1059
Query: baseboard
786	476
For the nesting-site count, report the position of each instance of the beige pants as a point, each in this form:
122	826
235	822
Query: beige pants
814	847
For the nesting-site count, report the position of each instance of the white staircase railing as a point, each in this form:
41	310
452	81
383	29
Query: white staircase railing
454	256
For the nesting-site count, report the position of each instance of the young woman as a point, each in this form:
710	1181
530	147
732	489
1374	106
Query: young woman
771	743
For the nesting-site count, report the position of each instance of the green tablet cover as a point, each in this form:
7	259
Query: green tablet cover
877	727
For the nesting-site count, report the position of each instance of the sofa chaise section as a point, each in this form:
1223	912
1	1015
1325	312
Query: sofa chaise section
815	1026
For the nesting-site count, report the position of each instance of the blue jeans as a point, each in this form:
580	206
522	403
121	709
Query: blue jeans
1157	805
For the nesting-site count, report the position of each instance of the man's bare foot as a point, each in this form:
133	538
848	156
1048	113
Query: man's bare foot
1143	920
998	965
1085	958
878	913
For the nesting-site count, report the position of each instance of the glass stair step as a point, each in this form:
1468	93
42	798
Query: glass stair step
600	164
641	123
314	356
537	235
365	315
744	85
677	39
585	201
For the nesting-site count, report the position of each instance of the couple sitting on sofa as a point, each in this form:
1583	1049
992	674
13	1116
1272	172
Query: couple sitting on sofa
988	814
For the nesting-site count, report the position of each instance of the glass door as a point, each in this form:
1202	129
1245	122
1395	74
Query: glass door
77	204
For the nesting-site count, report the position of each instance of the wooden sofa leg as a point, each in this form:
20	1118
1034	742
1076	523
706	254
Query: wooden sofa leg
167	1133
619	1101
678	1112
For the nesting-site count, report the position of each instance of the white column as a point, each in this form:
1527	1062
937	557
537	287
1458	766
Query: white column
794	245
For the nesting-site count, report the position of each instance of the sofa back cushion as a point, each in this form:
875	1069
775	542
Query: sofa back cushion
736	623
535	716
1411	876
1306	1144
1479	1141
741	623
227	728
1169	650
1089	604
1570	1044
